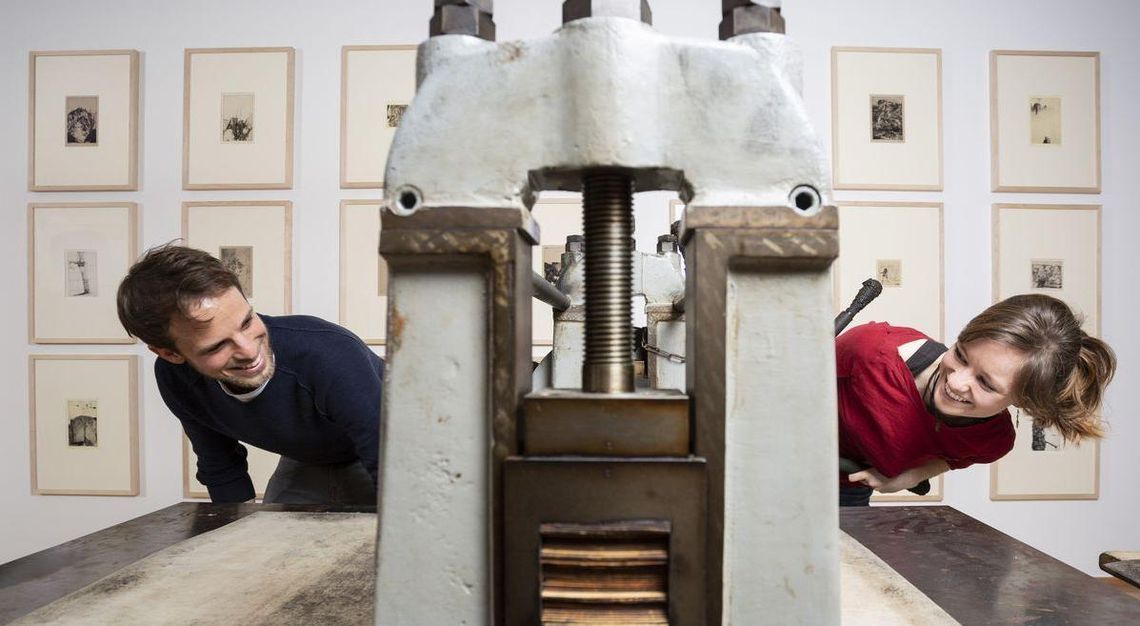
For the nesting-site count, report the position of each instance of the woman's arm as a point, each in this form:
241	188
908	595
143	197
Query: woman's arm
909	478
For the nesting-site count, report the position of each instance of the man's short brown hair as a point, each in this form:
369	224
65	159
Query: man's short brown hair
168	280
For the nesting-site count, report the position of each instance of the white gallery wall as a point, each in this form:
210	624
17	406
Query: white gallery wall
1073	531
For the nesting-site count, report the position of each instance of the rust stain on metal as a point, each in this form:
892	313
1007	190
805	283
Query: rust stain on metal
510	52
396	323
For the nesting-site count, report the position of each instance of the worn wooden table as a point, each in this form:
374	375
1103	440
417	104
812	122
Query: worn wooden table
975	573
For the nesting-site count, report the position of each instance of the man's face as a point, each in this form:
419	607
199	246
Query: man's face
223	339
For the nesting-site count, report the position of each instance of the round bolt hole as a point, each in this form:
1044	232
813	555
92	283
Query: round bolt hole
805	199
408	200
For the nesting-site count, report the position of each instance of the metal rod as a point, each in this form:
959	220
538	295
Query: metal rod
607	217
547	292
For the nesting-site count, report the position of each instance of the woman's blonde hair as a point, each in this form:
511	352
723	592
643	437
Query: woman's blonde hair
1066	371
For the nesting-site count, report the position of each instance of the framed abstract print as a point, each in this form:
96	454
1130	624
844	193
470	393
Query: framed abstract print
377	85
1045	121
84	425
83	112
77	254
238	118
1053	250
886	118
254	240
363	272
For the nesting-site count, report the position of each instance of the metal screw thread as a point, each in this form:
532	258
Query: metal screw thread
607	217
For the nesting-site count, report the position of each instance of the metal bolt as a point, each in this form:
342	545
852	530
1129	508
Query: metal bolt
666	243
575	243
463	17
741	17
632	9
607	216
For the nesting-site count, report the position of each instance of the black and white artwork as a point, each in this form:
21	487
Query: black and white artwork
239	260
82	121
1045	120
80	272
1045	439
1047	273
887	118
237	118
83	423
552	262
889	272
396	114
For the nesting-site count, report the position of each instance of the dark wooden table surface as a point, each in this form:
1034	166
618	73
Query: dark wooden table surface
975	573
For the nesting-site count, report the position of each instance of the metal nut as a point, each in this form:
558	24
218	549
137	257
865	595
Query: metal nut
463	17
751	19
632	9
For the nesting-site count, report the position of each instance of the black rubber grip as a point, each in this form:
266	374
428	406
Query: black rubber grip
869	291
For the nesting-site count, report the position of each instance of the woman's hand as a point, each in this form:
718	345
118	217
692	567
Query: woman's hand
909	478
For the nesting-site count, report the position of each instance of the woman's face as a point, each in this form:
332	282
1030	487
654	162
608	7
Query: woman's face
976	378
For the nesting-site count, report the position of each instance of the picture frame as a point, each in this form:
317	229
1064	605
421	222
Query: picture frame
363	272
1052	249
83	120
262	464
937	489
255	238
886	118
84	424
77	255
676	210
377	83
237	122
557	217
1045	121
869	245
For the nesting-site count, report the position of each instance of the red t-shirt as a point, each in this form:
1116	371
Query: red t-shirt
883	421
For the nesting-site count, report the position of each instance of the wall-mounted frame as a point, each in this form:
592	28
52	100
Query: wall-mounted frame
84	424
254	239
1045	121
676	210
377	84
937	488
77	254
1055	250
557	218
83	112
910	267
886	118
363	272
261	467
237	126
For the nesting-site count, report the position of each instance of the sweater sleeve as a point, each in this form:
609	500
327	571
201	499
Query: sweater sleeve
349	393
222	465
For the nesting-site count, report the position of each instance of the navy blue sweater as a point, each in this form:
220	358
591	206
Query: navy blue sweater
322	405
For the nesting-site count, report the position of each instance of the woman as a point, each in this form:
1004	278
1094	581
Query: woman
909	409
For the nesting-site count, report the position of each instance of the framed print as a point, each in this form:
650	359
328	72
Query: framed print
77	254
363	272
254	240
261	467
83	112
84	425
557	218
1055	250
237	124
377	84
900	244
1045	121
886	118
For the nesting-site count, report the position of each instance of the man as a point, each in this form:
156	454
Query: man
296	385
